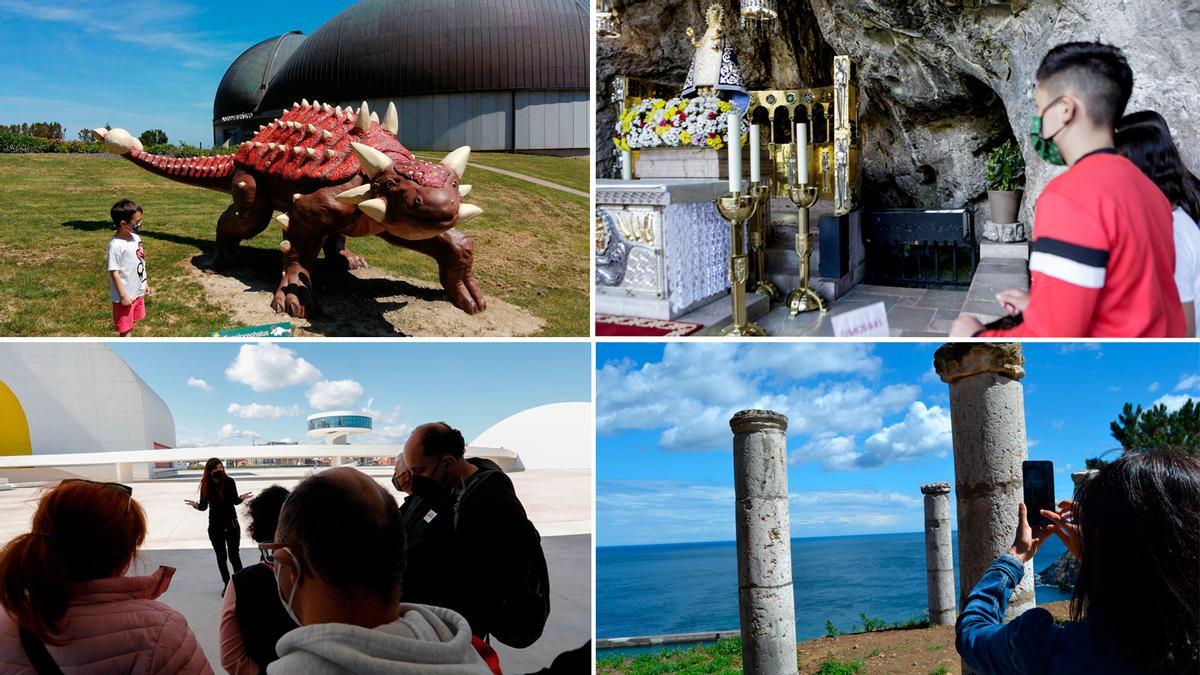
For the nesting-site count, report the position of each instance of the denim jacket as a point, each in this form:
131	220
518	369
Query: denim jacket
1030	643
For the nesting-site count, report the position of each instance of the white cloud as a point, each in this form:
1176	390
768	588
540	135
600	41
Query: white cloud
395	434
1077	347
221	437
1153	387
199	384
1188	382
924	431
330	394
229	431
1174	402
269	367
665	511
262	411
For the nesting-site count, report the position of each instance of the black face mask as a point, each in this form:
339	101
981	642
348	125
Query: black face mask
218	475
429	487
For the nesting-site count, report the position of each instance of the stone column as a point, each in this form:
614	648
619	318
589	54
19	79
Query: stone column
764	546
987	417
939	554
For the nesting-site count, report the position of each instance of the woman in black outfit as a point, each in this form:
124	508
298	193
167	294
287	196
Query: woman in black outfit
219	491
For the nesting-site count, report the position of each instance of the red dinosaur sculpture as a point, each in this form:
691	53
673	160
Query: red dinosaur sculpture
332	173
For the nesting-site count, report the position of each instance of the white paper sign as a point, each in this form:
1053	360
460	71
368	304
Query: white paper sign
870	321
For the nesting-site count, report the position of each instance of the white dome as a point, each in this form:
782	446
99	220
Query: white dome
554	436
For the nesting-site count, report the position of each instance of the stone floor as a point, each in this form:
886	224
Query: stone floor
912	312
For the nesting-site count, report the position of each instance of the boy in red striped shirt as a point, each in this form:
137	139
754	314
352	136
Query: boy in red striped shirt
1103	257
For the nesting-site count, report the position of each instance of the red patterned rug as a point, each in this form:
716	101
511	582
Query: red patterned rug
636	326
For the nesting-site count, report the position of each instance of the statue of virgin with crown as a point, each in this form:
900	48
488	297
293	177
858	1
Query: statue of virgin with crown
714	70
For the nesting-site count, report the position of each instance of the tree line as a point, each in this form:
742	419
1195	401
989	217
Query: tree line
54	131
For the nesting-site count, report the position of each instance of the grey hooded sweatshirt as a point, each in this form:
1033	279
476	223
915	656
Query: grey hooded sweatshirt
424	641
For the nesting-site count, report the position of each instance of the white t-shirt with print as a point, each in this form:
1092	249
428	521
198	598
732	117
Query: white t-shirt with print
127	258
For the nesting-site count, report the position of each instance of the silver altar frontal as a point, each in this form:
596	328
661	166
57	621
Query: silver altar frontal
661	247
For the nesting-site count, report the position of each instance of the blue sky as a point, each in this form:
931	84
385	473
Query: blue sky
135	64
868	424
230	394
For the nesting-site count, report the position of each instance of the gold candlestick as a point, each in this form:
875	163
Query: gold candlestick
758	243
804	298
737	209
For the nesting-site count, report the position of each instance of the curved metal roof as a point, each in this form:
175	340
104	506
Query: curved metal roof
385	48
246	80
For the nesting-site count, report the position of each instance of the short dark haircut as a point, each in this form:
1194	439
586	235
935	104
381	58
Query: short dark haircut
1096	72
1137	585
123	211
354	540
263	511
442	439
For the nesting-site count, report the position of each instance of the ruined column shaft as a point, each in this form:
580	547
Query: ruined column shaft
987	414
939	554
763	525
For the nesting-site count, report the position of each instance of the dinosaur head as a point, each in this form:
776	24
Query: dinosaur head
412	198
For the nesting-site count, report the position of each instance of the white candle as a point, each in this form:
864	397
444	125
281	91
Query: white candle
755	151
626	165
802	152
734	143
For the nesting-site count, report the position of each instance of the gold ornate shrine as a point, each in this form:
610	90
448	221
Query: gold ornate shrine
832	117
831	114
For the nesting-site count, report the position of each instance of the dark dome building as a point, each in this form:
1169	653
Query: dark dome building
492	74
235	107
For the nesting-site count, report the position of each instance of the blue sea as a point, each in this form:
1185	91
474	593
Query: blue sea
685	588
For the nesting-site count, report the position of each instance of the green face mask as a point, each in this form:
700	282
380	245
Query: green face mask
1045	147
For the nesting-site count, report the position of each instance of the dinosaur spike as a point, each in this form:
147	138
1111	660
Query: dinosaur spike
338	111
391	120
241	184
330	152
355	195
457	160
261	127
258	144
310	151
298	150
270	146
325	134
364	117
283	219
467	212
326	108
296	197
101	132
464	190
316	103
375	118
376	209
295	105
120	142
304	102
373	161
285	246
311	129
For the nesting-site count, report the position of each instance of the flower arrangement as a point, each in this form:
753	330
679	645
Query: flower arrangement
654	123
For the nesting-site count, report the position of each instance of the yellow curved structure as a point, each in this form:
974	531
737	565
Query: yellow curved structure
14	428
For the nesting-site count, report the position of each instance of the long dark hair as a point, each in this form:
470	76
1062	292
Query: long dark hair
210	487
1138	583
81	531
1145	139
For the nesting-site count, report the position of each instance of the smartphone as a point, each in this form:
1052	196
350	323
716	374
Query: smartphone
1038	480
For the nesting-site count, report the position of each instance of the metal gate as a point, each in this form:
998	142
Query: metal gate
920	248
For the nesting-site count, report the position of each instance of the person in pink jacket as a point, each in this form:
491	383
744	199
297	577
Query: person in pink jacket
68	606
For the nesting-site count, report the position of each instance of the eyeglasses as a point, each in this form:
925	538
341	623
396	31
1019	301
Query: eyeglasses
116	486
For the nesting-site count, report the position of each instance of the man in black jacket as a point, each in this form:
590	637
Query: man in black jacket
462	521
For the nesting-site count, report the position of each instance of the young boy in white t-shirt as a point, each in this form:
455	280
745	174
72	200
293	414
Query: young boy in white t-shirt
127	268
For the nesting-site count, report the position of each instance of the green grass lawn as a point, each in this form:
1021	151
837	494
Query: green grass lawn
570	172
531	246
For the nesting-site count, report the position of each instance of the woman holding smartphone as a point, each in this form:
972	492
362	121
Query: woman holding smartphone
218	496
1136	608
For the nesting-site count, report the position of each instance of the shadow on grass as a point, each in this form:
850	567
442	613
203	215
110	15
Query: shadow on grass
346	304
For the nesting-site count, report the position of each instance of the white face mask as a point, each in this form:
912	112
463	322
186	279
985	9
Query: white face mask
287	603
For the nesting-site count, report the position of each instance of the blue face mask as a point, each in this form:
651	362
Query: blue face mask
287	603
